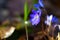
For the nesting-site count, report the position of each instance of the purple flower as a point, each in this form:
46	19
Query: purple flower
55	20
49	20
36	5
35	17
39	4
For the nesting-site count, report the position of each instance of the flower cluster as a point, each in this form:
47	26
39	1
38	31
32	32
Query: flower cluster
51	19
35	16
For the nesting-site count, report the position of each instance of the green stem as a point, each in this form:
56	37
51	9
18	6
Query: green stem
26	32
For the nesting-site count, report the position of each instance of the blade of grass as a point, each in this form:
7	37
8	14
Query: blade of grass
25	17
25	11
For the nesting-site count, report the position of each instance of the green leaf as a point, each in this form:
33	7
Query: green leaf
25	11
